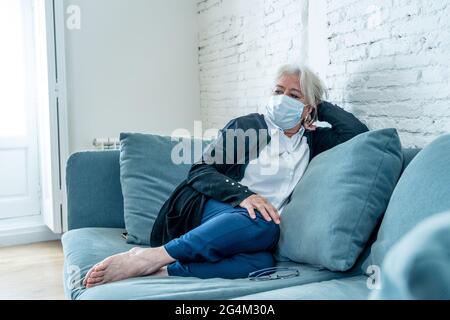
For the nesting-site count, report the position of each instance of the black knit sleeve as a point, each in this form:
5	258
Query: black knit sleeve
212	175
345	126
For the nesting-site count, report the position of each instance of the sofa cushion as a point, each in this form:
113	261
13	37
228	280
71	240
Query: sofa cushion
186	288
83	248
148	176
351	288
340	199
422	191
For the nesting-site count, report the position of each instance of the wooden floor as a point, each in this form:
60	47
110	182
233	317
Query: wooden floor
32	272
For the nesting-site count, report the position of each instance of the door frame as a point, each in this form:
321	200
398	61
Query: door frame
54	205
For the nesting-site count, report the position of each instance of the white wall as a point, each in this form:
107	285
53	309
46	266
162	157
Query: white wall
390	64
132	67
242	43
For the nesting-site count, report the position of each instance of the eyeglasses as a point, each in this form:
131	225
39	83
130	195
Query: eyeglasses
276	273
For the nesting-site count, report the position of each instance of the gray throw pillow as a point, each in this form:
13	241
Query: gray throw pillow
340	200
148	176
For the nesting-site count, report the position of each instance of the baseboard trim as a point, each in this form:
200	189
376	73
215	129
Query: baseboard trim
25	231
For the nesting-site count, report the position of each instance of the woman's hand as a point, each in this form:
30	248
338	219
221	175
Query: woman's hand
308	118
310	126
268	211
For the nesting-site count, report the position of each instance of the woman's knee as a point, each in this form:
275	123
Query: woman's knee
264	233
269	230
265	226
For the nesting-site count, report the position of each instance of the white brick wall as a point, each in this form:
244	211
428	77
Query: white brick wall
389	59
390	64
241	44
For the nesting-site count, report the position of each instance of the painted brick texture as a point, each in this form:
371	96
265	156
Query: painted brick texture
389	60
241	44
390	64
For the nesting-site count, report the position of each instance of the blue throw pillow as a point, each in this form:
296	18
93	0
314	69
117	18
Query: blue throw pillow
339	201
148	177
422	191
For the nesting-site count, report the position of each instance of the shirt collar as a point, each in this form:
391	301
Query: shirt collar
273	128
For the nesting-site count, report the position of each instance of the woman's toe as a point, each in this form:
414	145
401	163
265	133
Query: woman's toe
97	274
101	266
94	284
97	280
88	274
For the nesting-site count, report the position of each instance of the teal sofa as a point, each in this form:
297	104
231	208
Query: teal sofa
96	225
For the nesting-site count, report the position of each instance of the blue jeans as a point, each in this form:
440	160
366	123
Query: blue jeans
228	244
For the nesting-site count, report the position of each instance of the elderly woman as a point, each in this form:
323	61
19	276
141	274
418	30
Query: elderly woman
223	220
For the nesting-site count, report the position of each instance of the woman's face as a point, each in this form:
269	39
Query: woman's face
289	85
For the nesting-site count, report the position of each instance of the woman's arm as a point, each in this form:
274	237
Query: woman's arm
208	176
207	179
345	126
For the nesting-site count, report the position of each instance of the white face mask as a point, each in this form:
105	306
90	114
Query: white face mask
284	111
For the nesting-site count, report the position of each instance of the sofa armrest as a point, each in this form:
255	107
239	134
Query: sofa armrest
417	266
94	193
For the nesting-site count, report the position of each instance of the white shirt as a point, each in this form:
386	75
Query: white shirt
279	167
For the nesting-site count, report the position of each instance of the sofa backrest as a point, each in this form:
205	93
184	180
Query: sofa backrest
421	192
94	193
408	156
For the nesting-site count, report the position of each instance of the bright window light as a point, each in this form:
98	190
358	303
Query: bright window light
14	80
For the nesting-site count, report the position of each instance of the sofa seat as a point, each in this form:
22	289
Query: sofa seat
85	247
350	288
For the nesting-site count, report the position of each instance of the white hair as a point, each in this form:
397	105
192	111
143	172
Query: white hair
313	88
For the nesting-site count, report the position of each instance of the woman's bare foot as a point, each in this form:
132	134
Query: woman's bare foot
161	272
134	263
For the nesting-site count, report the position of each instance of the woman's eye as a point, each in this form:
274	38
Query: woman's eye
295	97
278	92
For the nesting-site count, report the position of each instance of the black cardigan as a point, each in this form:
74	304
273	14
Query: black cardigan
182	212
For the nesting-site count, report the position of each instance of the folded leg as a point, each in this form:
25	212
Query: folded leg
235	267
225	231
